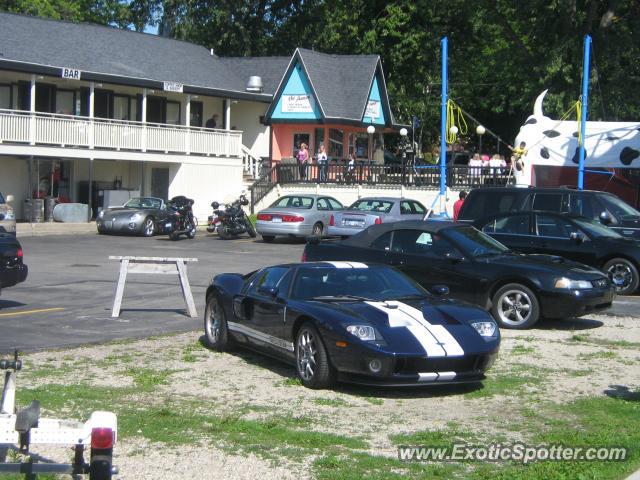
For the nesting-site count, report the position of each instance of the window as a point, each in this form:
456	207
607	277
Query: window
512	225
102	104
336	139
323	204
617	207
268	279
488	203
45	98
372	205
293	201
5	96
383	242
418	207
196	114
551	202
548	226
581	205
335	204
319	139
300	138
173	113
121	107
410	207
418	242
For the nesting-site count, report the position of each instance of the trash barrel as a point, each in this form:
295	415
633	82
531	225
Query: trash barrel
37	213
27	210
49	204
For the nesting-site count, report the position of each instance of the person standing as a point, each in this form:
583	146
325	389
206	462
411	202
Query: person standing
323	160
303	157
212	122
458	205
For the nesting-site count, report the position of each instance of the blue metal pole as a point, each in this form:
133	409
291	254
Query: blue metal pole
585	99
443	120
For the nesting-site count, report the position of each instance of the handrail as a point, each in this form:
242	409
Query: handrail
261	187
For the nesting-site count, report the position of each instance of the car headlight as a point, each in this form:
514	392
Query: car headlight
101	214
135	217
363	332
485	329
568	284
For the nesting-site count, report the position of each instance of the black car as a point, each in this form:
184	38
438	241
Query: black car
351	321
600	206
12	268
518	289
576	238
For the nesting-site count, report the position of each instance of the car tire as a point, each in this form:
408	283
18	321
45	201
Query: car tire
216	330
623	275
515	306
318	230
312	360
268	238
223	232
148	227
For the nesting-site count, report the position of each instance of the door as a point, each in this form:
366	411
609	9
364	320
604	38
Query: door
553	237
155	110
160	183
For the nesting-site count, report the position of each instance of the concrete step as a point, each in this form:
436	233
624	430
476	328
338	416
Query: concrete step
53	228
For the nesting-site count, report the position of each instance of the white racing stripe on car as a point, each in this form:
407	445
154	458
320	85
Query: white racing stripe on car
435	339
260	336
436	376
348	264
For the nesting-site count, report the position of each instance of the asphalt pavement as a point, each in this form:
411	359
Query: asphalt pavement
68	296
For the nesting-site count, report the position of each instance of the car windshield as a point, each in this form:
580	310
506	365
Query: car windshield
293	202
376	283
619	208
372	205
143	202
475	243
596	229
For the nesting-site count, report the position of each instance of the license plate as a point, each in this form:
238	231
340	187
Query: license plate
353	223
276	220
167	225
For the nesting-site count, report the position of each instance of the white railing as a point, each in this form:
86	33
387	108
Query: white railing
65	130
250	163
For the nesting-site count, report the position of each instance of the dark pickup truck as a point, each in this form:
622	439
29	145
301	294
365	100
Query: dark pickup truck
12	268
517	289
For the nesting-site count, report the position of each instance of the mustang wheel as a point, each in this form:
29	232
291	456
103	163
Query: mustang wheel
312	361
216	330
623	275
317	230
515	306
148	227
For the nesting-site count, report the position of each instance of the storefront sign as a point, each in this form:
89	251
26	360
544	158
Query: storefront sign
297	104
70	73
373	109
173	87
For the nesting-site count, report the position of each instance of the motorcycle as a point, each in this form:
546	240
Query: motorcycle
180	220
213	221
233	220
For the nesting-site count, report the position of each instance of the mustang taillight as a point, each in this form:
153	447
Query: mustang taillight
378	221
101	438
19	253
332	221
265	217
292	218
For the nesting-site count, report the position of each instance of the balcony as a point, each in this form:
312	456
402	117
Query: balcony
53	130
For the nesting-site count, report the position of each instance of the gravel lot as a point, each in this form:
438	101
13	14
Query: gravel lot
555	364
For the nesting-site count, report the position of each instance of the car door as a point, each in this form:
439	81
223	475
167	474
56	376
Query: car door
262	307
554	237
514	231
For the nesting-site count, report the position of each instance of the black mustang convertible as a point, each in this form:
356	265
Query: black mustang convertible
351	321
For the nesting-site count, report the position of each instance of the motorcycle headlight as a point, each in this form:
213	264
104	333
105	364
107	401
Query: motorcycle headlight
568	284
363	332
485	329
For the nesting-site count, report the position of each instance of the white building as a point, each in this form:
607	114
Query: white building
85	109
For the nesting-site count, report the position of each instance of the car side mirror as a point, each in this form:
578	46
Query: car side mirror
268	291
577	237
440	290
454	257
605	218
10	198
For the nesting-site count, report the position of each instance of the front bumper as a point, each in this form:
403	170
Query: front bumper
575	303
14	275
285	228
119	225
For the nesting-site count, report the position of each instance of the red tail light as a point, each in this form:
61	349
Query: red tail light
378	221
19	253
265	217
332	221
101	438
292	218
304	256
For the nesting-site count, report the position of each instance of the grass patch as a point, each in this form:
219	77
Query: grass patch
374	400
600	354
292	382
147	379
522	350
331	402
514	381
189	353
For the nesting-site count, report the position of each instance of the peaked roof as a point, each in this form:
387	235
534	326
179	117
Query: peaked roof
340	83
270	69
113	52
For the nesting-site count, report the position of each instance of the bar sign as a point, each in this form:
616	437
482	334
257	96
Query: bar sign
173	87
70	73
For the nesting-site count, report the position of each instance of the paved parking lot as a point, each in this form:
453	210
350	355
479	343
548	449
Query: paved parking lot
68	296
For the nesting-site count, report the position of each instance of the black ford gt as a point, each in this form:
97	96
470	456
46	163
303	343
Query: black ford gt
12	268
351	321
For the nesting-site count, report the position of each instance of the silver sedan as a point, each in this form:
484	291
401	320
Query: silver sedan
297	216
374	210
